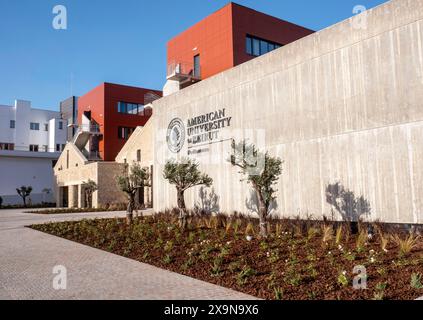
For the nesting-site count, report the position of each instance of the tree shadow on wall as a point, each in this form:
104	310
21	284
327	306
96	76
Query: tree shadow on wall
350	207
209	201
252	203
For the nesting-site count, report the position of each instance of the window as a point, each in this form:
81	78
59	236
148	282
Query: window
46	127
131	108
249	45
33	147
34	126
124	132
63	146
139	155
12	124
45	148
7	146
257	47
197	72
60	125
264	47
57	147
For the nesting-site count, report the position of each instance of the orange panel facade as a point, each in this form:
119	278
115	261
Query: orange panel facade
103	102
220	39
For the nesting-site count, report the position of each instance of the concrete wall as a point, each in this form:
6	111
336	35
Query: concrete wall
72	170
342	105
17	171
141	139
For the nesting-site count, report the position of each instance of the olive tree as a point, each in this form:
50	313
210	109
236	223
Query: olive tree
184	175
262	172
89	188
24	192
132	179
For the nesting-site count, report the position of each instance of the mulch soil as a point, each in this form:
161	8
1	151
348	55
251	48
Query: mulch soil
291	264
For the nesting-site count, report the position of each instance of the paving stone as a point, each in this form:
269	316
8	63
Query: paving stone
28	258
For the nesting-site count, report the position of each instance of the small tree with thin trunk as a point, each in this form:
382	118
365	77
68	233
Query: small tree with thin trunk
262	171
24	192
184	175
89	188
131	180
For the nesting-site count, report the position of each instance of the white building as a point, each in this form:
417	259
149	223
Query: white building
30	143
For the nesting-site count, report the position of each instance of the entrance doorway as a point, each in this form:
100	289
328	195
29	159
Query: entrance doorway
65	197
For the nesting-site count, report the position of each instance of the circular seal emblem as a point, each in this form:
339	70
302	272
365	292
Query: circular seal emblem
176	135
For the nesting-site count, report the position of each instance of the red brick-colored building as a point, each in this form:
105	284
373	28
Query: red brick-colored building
116	110
230	36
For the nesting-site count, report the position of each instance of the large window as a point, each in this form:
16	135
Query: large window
7	146
124	132
257	47
131	108
34	126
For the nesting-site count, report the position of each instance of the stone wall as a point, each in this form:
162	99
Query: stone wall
72	170
341	107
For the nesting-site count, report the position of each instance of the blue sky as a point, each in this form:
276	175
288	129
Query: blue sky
115	41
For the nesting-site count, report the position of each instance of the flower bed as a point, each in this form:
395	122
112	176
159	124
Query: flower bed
300	260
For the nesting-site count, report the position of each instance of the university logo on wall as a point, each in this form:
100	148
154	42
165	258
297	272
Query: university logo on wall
176	135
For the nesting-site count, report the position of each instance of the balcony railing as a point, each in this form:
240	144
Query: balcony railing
182	71
91	128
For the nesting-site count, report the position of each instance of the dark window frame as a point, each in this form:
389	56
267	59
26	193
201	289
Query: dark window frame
124	133
131	108
12	124
34	126
7	146
196	70
256	47
34	148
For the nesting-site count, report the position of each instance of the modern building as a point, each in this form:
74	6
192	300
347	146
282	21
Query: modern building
232	35
30	142
69	112
111	112
341	107
107	117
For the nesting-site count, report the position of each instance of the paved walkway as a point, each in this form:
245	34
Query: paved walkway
27	259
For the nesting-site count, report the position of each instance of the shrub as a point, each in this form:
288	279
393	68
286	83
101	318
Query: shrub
342	279
327	235
339	235
360	243
384	241
405	246
416	281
